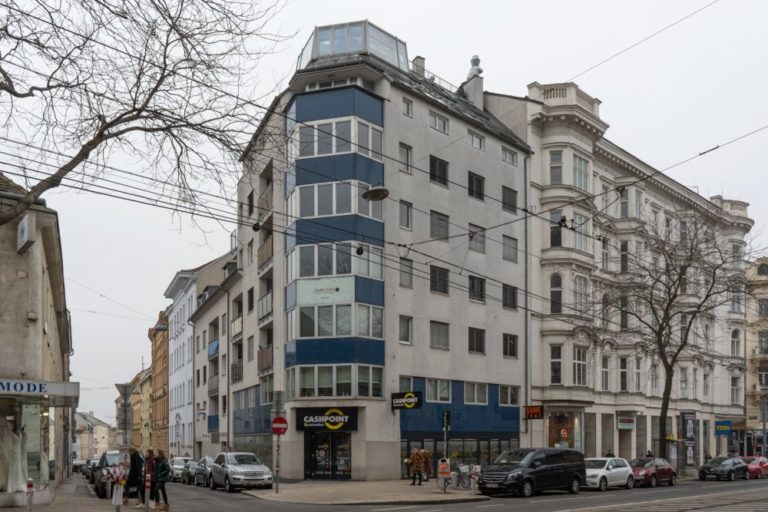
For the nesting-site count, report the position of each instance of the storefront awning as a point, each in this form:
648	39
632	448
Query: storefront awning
58	394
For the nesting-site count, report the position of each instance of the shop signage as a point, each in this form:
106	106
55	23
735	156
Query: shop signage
407	400
329	290
39	388
326	418
533	412
626	422
723	428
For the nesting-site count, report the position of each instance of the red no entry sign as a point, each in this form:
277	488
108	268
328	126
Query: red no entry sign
279	426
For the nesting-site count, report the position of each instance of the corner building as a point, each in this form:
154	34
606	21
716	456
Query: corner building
345	316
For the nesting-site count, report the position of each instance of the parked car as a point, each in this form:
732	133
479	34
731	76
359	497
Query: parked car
77	465
177	466
650	471
239	470
603	473
756	466
528	470
101	473
188	473
724	468
203	471
90	470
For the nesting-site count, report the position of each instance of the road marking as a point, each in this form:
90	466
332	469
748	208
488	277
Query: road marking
488	506
393	508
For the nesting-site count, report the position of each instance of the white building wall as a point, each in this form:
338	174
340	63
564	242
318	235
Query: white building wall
180	371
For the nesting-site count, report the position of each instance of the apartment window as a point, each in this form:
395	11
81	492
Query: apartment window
509	248
762	376
624	256
223	405
438	170
639	204
581	227
509	395
605	312
438	122
333	199
509	199
331	320
336	137
369	138
330	259
735	301
197	378
580	366
762	269
683	231
407	107
655	378
556	364
683	382
638	370
438	226
475	393
762	342
762	307
623	377
476	186
250	348
509	156
606	253
736	343
623	203
406	330
343	380
250	203
509	345
370	321
556	228
695	387
605	373
606	205
705	385
249	253
405	384
580	172
267	385
438	335
476	238
406	215
438	390
736	390
555	294
406	273
555	167
369	381
250	299
477	340
624	313
406	158
307	381
476	289
580	295
509	296
438	279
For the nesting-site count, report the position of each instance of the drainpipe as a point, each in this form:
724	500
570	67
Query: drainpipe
194	387
527	343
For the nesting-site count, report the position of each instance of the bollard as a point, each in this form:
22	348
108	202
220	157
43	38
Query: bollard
30	492
147	490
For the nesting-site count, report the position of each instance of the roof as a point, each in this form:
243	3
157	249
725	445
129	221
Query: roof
84	420
6	185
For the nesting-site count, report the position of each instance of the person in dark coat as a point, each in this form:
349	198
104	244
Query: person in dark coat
609	453
162	474
135	473
149	469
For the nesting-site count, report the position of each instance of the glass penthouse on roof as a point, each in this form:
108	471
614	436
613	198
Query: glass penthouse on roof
358	37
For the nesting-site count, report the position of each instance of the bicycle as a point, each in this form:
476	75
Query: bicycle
458	480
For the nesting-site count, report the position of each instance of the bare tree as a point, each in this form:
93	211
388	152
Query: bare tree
170	82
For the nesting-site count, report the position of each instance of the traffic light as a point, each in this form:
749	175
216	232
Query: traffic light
446	420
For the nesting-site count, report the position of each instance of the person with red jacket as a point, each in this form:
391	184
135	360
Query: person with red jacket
149	469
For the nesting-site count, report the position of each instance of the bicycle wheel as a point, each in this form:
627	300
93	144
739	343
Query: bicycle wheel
464	482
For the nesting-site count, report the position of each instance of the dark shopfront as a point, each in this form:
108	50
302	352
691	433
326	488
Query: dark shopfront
468	449
327	441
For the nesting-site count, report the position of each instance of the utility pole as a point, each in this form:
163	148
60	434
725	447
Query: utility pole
446	428
125	394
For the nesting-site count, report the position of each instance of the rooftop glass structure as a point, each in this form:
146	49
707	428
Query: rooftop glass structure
351	38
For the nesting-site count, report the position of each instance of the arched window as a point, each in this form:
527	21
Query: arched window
555	294
580	295
735	342
762	270
604	312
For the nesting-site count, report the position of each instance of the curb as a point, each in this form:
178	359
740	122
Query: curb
424	501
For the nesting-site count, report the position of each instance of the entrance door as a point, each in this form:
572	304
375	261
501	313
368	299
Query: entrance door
327	455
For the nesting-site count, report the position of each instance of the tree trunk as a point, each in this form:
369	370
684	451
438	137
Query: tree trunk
669	374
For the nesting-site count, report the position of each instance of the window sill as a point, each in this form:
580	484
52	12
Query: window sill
477	301
406	343
444	349
473	352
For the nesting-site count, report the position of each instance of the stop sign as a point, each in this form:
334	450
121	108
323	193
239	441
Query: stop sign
279	425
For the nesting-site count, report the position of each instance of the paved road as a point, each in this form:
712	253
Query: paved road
711	496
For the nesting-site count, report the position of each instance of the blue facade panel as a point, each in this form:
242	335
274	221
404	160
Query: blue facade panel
334	351
253	420
335	229
369	291
347	166
465	419
340	102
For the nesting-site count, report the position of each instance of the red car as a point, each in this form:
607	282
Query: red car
651	471
757	466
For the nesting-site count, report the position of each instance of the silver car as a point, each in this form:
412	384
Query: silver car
239	470
177	467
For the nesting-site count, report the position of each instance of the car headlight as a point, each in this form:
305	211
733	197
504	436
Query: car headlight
641	473
591	476
268	473
513	475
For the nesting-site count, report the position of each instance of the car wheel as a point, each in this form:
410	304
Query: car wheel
603	485
653	481
630	482
527	490
702	477
673	479
575	486
227	486
732	476
211	483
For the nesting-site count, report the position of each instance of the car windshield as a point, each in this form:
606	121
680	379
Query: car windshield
243	458
641	463
595	463
113	458
514	457
179	462
718	460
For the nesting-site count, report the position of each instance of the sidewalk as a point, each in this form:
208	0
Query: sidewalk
74	495
384	492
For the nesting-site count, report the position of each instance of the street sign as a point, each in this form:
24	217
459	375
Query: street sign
279	426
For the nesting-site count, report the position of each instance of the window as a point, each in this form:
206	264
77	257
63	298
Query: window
334	137
623	376
368	138
605	209
509	248
476	288
475	393
509	199
762	342
438	279
370	321
580	366
325	321
581	228
605	311
736	343
509	395
555	167
624	313
556	364
343	380
406	158
406	215
476	186
406	330
509	296
762	269
623	203
580	172
580	295
655	378
605	373
438	170
407	107
438	335
476	140
438	390
762	376
509	156
762	307
509	345
695	387
736	390
369	381
683	231
249	253
555	294
333	199
705	384
624	256
735	301
639	204
250	299
330	259
438	226
267	385
476	238
477	340
638	370
556	228
406	273
606	253
250	348
250	203
307	381
438	122
405	384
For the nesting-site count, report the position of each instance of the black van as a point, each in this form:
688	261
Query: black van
525	471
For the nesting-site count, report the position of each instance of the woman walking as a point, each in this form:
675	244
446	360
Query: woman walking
162	473
417	465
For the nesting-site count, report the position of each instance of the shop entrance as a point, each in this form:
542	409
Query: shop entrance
327	455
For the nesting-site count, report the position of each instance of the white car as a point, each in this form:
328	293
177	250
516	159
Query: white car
606	472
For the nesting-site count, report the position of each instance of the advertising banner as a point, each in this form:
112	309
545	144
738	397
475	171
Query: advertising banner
407	400
326	418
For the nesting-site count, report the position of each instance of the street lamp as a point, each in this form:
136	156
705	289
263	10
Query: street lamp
377	193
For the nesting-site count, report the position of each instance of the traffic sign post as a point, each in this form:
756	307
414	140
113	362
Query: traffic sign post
279	427
30	492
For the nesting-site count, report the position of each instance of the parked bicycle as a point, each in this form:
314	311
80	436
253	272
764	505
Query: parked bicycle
461	479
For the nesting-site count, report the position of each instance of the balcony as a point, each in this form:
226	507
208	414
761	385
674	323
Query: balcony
213	349
237	371
264	204
264	305
213	423
236	327
213	385
265	358
265	251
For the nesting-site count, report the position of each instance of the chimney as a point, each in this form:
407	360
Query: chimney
418	65
473	87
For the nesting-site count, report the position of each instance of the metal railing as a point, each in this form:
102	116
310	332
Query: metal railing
265	358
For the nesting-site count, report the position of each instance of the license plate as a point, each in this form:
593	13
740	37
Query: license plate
492	486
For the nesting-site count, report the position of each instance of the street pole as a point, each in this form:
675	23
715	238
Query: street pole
764	414
277	467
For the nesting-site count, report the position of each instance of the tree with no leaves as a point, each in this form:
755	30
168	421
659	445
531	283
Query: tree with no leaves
164	81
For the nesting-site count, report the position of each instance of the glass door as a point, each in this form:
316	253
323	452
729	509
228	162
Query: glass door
327	455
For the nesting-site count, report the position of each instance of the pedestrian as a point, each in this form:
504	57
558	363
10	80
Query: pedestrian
149	469
649	453
417	465
609	453
162	473
134	476
426	462
117	479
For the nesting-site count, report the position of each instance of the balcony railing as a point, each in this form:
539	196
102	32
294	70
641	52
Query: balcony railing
265	252
264	305
213	385
265	358
236	326
264	203
213	349
237	371
213	423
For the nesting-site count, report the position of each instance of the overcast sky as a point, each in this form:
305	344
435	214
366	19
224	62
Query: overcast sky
697	85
